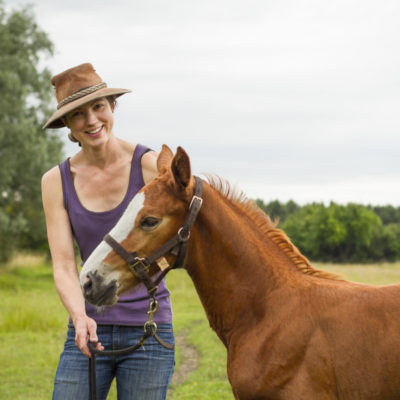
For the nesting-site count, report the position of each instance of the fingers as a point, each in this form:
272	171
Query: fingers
92	327
85	329
93	335
99	347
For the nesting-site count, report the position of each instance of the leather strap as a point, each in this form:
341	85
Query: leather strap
177	245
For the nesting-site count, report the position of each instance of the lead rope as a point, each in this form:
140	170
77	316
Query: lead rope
150	329
177	245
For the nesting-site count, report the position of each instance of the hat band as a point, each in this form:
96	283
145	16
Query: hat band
80	93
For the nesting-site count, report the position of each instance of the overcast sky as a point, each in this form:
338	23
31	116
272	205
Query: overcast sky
286	99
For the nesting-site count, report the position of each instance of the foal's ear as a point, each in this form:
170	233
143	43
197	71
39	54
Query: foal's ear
181	168
164	158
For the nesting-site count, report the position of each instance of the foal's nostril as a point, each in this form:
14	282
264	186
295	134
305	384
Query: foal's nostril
96	290
88	285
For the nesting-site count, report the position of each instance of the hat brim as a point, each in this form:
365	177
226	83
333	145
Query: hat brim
55	121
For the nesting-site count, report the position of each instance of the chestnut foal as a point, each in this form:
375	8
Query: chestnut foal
291	332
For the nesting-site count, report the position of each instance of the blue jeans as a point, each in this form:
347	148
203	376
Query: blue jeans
141	375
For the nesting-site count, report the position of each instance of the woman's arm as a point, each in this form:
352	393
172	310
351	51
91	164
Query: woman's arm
65	271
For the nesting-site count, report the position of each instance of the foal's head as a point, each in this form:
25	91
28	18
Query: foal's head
153	216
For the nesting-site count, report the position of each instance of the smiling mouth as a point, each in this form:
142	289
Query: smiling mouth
95	132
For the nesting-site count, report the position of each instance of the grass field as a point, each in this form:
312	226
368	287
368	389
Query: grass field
33	326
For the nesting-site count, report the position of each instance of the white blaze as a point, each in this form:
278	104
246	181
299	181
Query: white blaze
120	232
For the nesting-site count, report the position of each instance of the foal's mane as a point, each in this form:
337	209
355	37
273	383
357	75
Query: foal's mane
266	226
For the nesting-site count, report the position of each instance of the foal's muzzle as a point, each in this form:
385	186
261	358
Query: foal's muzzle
97	292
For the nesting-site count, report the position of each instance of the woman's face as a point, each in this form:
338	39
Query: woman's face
92	123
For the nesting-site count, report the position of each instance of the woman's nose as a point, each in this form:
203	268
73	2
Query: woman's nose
91	118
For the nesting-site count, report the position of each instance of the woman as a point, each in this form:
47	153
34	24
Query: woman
83	198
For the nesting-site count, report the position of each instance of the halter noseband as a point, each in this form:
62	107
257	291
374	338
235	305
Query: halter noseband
139	267
177	245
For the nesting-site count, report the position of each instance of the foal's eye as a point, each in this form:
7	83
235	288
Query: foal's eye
149	223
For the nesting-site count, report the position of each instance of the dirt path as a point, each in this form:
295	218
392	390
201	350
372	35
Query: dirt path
189	359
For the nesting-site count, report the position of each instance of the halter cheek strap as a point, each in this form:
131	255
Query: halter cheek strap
177	246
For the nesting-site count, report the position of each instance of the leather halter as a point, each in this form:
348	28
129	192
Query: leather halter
177	246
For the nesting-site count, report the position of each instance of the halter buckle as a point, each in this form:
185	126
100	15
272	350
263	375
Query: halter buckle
196	199
142	262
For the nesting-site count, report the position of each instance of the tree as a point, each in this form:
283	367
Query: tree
26	150
386	243
336	233
388	214
278	211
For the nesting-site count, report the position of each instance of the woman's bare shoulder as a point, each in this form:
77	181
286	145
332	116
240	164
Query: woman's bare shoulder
149	166
52	175
51	183
148	161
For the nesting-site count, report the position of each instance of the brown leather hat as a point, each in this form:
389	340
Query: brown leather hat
75	87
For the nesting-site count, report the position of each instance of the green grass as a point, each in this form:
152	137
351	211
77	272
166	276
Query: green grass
209	381
374	274
33	327
32	330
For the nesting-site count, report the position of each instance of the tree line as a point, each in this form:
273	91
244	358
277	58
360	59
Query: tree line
339	233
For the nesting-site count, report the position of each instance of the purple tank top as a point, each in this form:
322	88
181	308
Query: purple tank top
89	228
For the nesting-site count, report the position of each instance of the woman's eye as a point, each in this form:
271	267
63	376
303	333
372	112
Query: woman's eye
98	106
76	114
149	223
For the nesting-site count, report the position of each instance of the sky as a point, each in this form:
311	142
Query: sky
286	99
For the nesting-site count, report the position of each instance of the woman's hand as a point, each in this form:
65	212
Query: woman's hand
85	329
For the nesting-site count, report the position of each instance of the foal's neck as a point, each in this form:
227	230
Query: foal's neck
228	265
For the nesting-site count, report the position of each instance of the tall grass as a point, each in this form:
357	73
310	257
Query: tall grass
33	327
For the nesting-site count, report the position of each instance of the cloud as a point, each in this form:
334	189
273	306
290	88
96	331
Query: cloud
291	93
